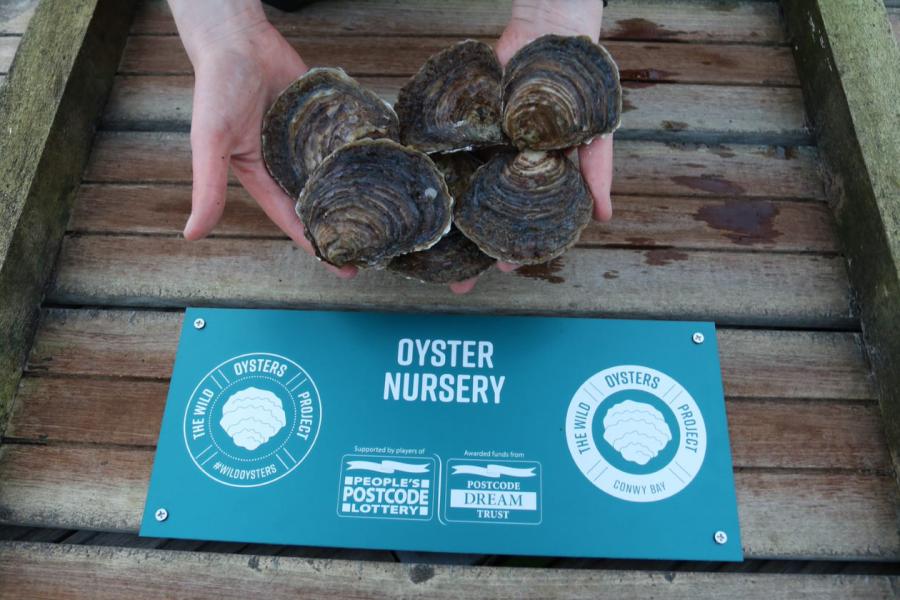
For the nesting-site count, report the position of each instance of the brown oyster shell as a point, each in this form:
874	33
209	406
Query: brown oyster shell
560	92
453	102
372	200
454	257
317	114
525	208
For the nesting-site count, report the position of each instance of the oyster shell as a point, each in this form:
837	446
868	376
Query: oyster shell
560	92
372	200
525	208
454	257
317	114
453	102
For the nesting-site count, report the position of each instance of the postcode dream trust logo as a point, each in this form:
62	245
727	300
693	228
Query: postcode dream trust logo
252	419
636	433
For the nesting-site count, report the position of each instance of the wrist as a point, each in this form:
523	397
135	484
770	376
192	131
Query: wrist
209	28
534	18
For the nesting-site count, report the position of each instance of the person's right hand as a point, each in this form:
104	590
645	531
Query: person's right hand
241	63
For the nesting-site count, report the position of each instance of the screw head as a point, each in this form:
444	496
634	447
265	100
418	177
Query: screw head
199	323
161	514
721	537
698	337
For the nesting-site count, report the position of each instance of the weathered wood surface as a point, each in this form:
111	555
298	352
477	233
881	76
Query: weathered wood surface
403	56
8	46
33	570
700	113
851	67
15	16
48	108
699	21
894	17
783	513
755	363
764	433
728	287
641	168
640	221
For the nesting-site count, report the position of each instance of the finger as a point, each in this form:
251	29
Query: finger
507	267
463	287
209	160
280	209
596	161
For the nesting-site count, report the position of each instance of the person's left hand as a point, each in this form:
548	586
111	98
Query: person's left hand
530	20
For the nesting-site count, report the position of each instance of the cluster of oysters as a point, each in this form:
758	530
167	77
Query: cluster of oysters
469	167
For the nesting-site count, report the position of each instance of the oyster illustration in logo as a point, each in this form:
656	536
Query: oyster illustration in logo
252	416
638	431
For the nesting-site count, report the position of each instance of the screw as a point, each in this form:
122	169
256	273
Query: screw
199	323
162	514
721	537
698	337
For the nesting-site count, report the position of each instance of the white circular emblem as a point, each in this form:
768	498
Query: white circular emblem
252	419
636	433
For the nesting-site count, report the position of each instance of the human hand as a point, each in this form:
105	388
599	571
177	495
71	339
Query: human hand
241	63
530	20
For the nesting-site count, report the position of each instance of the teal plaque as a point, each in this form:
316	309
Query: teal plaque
476	434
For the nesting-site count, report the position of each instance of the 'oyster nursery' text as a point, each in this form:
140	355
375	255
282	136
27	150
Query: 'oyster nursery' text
424	376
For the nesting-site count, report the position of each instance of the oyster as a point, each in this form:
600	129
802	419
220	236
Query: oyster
560	92
372	200
454	257
525	208
453	102
317	114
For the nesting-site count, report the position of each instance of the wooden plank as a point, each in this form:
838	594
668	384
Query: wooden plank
699	113
101	573
819	435
700	21
704	223
894	17
641	168
15	16
783	513
402	56
728	287
8	46
48	108
851	67
755	363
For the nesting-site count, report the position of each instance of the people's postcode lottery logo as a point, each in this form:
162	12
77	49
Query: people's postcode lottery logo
252	419
636	433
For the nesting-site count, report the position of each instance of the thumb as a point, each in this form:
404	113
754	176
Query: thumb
210	157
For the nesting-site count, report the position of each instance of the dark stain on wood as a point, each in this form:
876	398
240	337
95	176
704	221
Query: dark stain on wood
745	222
642	29
421	573
721	151
646	74
641	241
782	152
710	184
626	104
545	272
613	274
662	257
674	125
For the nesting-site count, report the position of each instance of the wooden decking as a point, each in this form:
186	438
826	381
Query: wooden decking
720	214
14	18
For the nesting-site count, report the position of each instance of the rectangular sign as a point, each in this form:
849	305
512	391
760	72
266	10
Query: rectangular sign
475	434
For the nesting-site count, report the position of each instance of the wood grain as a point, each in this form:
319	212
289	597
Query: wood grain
651	20
728	287
698	113
764	434
403	56
103	573
755	363
641	168
783	513
640	221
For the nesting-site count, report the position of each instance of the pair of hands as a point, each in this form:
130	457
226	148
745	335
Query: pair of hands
241	63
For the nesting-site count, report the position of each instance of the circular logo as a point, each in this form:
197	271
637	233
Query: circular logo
252	419
636	433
